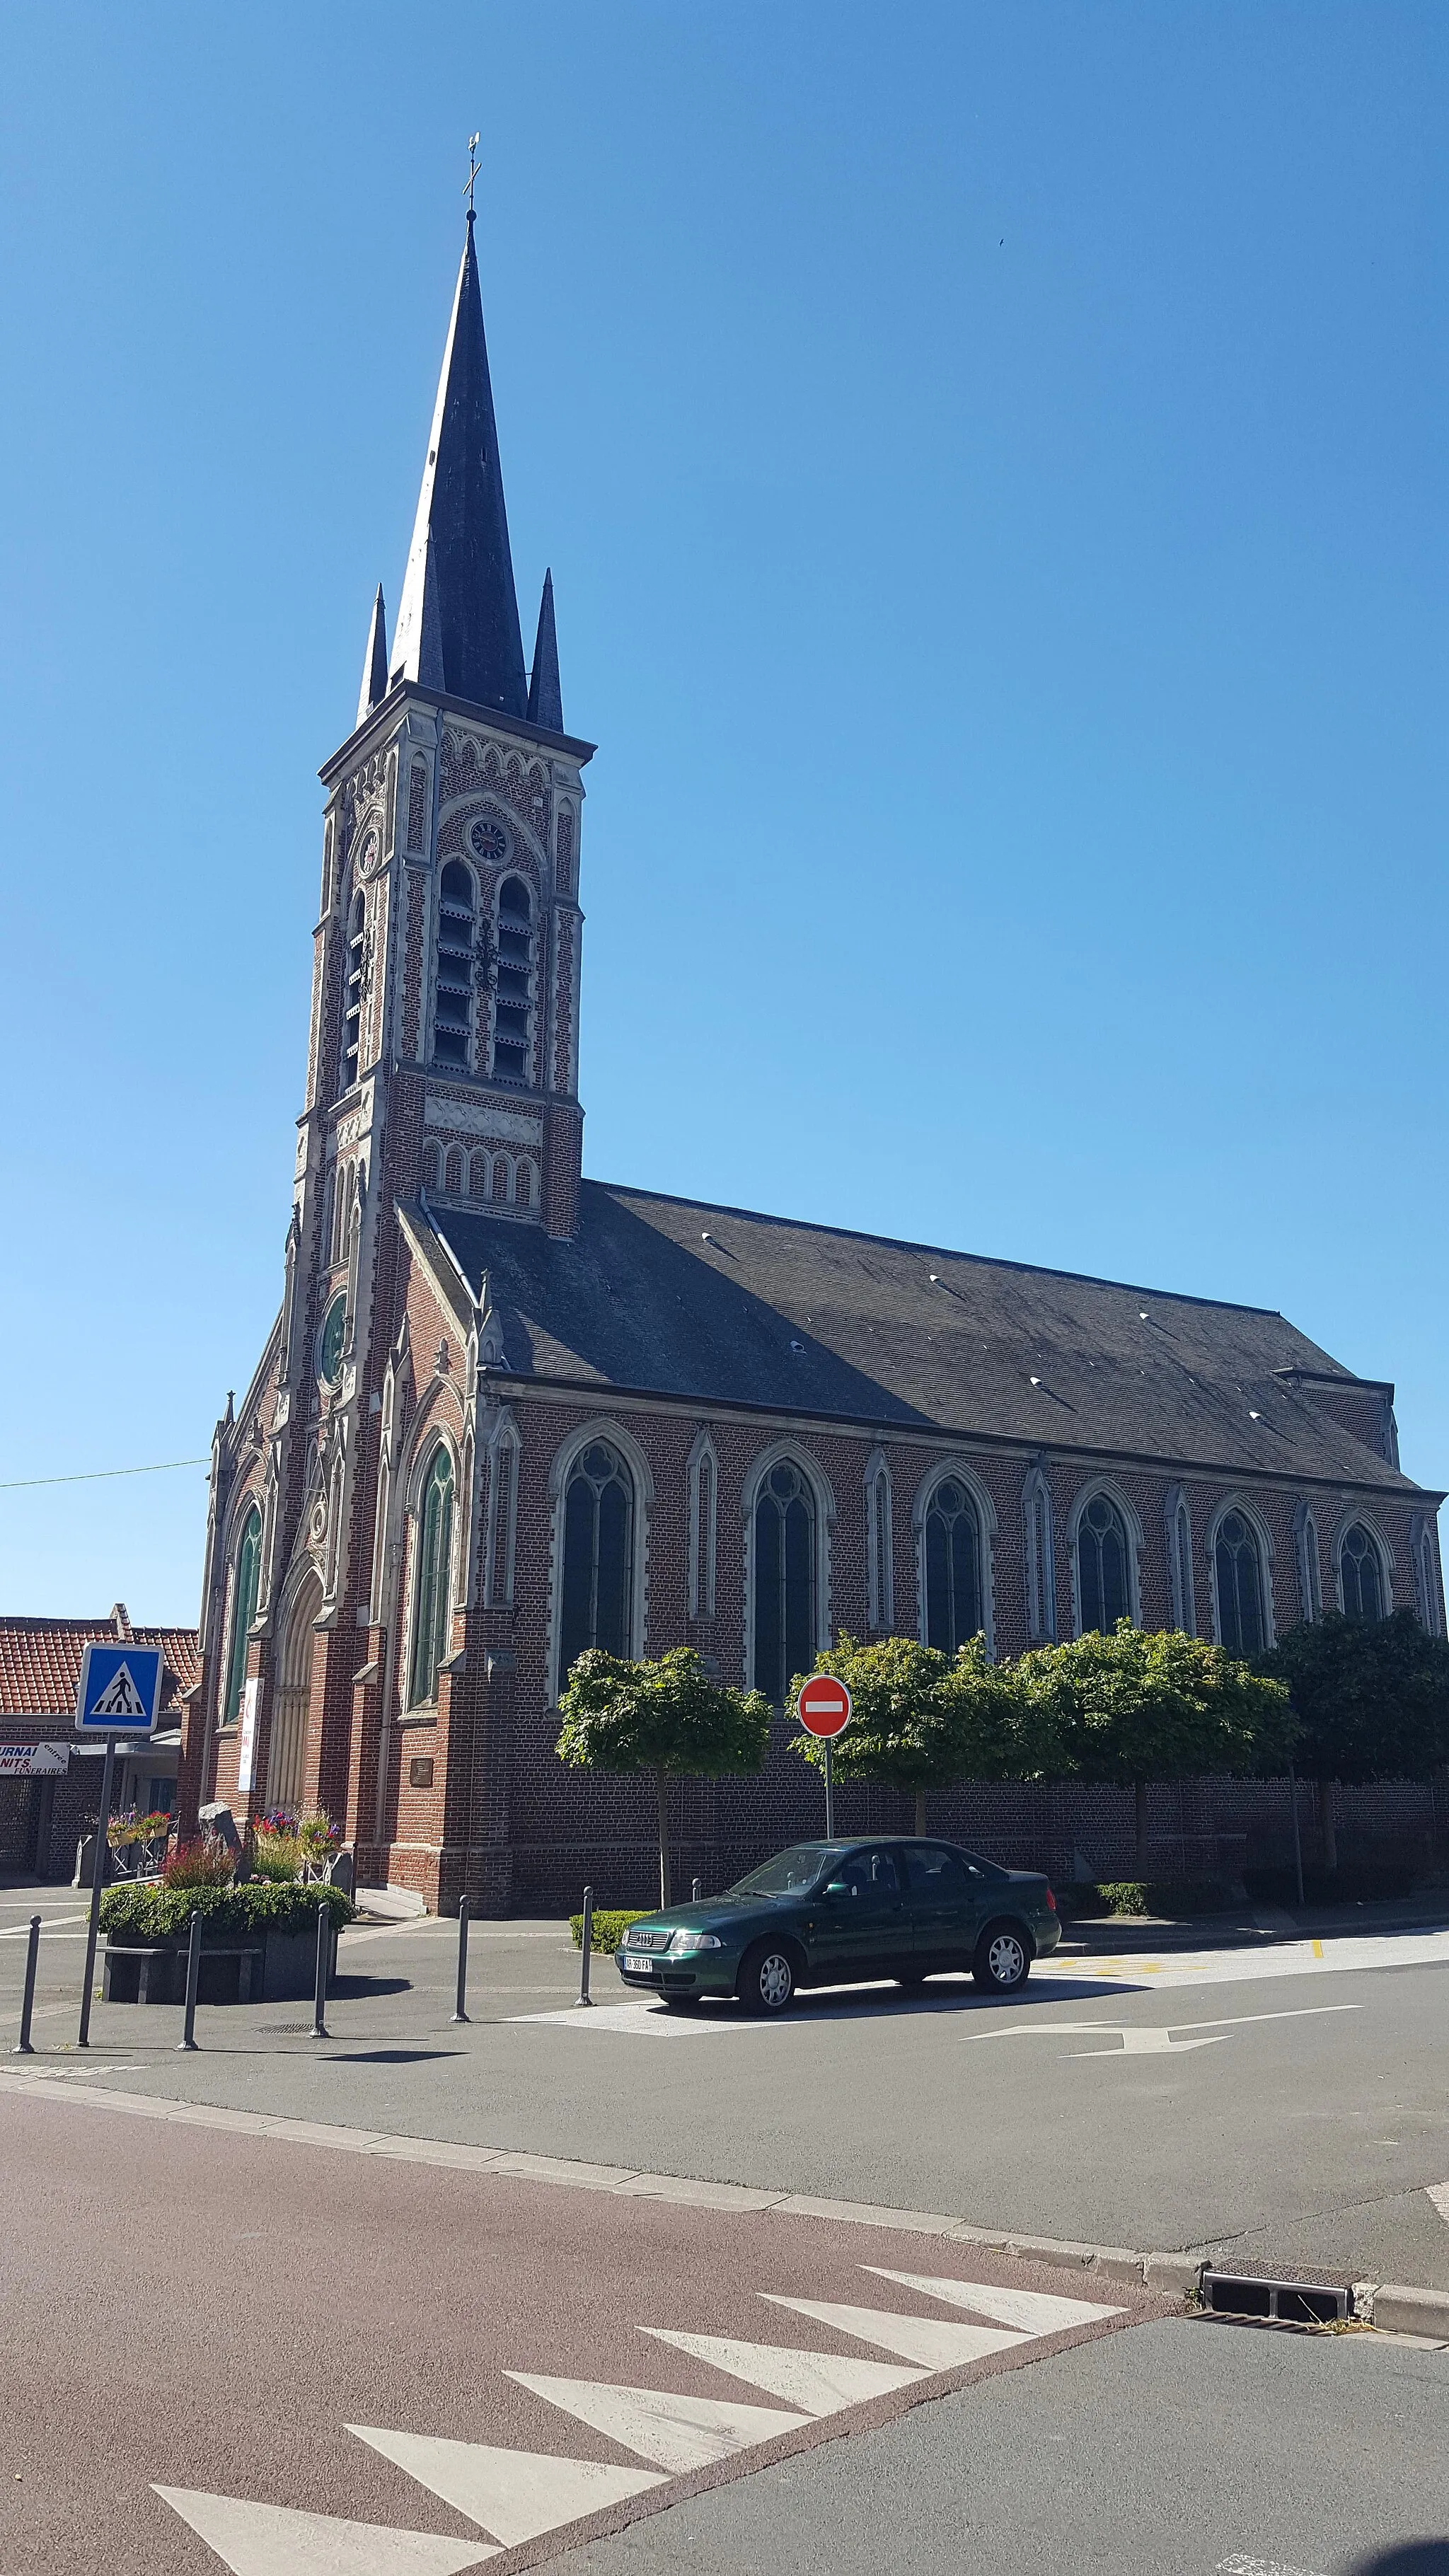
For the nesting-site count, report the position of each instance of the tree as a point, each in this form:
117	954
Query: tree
1372	1697
1138	1706
662	1716
920	1719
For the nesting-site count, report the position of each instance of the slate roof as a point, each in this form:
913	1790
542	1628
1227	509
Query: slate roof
40	1661
678	1297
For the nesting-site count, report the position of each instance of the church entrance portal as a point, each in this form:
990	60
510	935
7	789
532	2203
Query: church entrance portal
286	1761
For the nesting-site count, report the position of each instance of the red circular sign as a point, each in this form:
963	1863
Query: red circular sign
824	1705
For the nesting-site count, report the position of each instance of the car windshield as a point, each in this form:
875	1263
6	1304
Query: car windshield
798	1867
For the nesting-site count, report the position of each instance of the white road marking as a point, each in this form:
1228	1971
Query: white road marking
1142	2039
274	2540
928	2340
819	2383
678	2433
514	2494
1031	2312
1439	2194
1259	2567
49	1923
644	2021
1234	1967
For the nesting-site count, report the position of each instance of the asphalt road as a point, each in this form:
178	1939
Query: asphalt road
292	2360
1282	2111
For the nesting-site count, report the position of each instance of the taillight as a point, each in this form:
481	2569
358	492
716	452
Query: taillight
1051	1902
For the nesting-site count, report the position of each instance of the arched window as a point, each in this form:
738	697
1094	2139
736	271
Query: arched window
1361	1574
1238	1565
454	982
598	1556
243	1611
352	996
953	1567
432	1568
512	984
785	1625
1103	1589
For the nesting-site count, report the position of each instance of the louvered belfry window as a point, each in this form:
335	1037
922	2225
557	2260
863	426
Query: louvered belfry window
513	983
452	995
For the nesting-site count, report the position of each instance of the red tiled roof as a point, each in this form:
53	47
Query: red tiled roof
40	1661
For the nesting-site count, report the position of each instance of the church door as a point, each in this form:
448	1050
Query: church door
287	1759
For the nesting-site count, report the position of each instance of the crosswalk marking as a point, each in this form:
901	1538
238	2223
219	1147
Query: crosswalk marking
514	2494
275	2540
1034	2312
678	2433
928	2340
819	2383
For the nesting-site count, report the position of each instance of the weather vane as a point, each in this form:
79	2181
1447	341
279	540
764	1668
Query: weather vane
472	172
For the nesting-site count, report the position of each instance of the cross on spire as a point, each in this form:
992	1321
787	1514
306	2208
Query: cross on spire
472	173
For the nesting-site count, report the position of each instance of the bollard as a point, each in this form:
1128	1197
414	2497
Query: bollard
319	2000
694	1888
193	1980
22	2046
588	1947
460	2013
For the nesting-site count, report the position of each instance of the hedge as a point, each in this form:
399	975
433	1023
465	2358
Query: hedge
151	1913
609	1928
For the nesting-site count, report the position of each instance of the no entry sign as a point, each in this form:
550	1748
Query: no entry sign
824	1705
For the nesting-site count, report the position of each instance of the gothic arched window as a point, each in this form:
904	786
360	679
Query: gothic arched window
352	997
432	1568
512	984
785	1624
1361	1574
1102	1560
953	1567
1238	1564
598	1557
243	1611
454	983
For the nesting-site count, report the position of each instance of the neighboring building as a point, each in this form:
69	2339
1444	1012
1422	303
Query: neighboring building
505	1412
50	1785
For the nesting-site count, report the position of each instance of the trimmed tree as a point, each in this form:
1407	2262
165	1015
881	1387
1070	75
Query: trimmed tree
921	1720
664	1716
1372	1698
1139	1706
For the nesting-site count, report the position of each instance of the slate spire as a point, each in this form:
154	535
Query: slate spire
374	662
545	697
457	627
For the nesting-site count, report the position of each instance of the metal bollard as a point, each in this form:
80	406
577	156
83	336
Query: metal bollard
319	2000
694	1887
460	2014
588	1947
22	2046
193	1980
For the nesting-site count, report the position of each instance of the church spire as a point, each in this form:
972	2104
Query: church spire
545	697
460	551
374	662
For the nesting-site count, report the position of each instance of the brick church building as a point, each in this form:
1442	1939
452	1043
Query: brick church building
505	1412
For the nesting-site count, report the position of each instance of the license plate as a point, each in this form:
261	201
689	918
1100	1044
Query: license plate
637	1967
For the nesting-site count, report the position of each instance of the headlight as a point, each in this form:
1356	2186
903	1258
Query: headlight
694	1941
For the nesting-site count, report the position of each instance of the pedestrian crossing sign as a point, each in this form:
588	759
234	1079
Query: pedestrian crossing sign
120	1690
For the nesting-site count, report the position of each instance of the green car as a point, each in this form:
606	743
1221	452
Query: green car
830	1914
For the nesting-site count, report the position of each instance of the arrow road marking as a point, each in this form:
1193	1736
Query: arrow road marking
1146	2039
274	2540
514	2494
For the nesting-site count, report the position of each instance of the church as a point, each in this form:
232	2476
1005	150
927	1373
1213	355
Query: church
506	1412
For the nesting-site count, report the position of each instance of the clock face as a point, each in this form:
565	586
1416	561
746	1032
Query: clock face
329	1357
488	840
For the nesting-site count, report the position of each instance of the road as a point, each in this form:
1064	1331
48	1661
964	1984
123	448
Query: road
291	2358
1283	2110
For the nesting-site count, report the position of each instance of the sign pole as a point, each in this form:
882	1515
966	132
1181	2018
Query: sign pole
98	1880
829	1797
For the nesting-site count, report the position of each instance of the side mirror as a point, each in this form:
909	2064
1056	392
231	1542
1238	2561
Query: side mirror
836	1888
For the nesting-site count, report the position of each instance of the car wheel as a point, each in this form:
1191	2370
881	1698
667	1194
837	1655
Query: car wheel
767	1979
1003	1959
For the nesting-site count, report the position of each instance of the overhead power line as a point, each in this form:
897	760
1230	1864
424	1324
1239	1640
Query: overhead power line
95	1475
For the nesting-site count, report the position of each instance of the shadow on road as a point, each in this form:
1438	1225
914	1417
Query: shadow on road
1411	2558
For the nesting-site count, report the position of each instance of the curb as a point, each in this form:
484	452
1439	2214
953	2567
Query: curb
1396	2309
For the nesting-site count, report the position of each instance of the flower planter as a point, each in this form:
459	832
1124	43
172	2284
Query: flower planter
268	1965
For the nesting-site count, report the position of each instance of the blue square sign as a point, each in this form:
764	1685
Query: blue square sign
120	1690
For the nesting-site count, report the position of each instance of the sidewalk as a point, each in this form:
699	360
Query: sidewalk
1252	1927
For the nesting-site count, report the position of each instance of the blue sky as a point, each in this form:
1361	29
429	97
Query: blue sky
992	464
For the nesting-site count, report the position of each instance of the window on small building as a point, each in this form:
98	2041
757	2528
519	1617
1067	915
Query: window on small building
953	1567
432	1567
784	1570
512	989
352	995
1103	1588
454	984
1361	1575
243	1611
1238	1565
598	1557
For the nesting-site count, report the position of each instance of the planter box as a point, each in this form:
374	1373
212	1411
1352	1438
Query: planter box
266	1966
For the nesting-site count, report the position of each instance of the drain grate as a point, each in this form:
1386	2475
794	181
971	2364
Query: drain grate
1279	2303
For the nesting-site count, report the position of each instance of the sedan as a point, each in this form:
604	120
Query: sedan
829	1914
